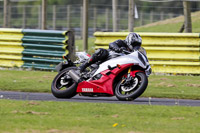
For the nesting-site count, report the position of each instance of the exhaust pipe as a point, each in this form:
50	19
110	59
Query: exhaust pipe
75	76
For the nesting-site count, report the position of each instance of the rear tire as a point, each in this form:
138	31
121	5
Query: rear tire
69	89
140	87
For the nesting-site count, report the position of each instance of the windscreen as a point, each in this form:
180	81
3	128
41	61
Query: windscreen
142	50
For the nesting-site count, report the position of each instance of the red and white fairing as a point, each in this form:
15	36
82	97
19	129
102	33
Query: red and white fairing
105	83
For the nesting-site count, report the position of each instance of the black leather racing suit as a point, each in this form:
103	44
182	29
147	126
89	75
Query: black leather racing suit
102	54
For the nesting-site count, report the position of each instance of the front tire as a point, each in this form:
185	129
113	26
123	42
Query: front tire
133	91
62	87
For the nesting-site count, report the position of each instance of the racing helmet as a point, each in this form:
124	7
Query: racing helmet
132	40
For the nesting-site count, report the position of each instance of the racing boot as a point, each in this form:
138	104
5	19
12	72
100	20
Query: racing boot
83	66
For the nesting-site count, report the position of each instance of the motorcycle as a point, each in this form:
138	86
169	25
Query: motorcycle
124	75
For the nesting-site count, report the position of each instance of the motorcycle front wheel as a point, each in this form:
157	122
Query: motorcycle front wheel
64	86
132	90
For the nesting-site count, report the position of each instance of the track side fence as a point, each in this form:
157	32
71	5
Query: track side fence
37	49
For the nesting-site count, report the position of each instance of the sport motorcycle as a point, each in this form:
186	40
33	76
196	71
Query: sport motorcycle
124	75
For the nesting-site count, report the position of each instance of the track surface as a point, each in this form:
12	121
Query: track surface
50	97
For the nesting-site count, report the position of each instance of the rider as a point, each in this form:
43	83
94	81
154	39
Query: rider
132	42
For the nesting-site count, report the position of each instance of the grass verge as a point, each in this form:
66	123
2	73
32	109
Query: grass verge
68	117
186	87
172	25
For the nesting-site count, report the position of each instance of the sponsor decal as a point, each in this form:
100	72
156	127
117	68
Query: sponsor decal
87	89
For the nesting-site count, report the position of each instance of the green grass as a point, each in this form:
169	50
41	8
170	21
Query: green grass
160	28
172	25
79	45
70	117
28	81
186	87
173	87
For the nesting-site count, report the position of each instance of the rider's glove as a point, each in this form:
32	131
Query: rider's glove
122	49
119	50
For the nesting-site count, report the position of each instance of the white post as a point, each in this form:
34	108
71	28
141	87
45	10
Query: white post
187	16
54	17
6	13
114	8
44	6
68	17
131	14
85	25
107	19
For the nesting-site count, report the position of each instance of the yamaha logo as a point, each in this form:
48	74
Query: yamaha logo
87	89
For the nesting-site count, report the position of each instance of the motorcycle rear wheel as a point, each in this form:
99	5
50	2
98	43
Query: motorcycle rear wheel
61	88
131	94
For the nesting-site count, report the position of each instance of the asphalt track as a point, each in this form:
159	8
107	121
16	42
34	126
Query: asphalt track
50	97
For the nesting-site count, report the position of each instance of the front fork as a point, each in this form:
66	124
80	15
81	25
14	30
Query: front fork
130	76
127	78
